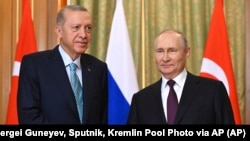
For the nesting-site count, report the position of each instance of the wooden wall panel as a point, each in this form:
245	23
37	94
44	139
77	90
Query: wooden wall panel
40	12
51	35
44	20
7	11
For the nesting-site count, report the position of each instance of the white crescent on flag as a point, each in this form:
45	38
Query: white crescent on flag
212	68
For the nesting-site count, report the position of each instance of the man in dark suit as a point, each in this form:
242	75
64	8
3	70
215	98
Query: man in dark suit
45	95
200	100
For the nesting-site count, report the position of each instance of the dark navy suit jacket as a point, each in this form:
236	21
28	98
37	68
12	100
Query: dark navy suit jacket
45	95
203	101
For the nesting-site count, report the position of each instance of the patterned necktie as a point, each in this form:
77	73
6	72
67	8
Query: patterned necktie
172	102
77	88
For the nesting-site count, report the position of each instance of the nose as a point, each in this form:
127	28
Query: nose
165	56
82	32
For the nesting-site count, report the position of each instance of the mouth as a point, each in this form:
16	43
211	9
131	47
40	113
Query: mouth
82	43
166	65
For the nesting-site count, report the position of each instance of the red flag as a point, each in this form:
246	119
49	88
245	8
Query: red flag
26	44
216	62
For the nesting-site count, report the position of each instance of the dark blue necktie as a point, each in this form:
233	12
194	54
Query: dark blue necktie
172	102
77	88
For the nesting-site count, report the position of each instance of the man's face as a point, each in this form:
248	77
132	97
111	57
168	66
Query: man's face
75	33
170	54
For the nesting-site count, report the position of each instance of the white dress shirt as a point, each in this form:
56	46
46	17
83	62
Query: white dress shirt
178	87
67	60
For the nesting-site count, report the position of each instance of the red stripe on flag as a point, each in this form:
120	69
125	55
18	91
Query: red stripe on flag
26	44
217	55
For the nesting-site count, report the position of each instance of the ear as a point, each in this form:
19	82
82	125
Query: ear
188	51
58	31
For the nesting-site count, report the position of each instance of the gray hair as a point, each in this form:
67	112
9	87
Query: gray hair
60	15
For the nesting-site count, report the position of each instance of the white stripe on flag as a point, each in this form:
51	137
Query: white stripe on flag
16	68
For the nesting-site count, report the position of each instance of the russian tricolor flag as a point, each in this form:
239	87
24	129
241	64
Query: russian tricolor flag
122	76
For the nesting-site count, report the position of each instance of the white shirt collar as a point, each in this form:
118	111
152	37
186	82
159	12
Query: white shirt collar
66	58
179	79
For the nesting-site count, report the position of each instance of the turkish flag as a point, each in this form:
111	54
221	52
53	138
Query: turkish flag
26	44
217	62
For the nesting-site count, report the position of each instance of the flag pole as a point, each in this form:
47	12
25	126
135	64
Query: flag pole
143	43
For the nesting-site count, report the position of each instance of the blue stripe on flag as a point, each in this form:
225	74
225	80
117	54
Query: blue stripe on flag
118	106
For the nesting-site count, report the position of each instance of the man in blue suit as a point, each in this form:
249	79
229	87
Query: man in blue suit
45	95
200	100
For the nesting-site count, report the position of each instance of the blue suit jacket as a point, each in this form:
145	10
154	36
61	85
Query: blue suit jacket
45	95
203	101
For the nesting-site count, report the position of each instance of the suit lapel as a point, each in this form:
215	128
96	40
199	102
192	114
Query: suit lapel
155	95
189	92
88	83
59	73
